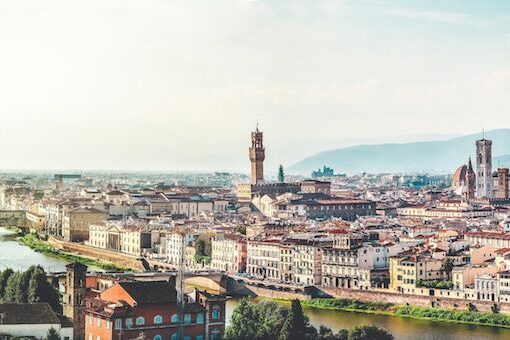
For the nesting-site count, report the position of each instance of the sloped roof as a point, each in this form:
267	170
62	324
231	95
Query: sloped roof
150	291
27	314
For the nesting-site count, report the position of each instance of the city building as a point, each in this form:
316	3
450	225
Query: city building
149	310
264	259
76	223
229	253
133	239
32	320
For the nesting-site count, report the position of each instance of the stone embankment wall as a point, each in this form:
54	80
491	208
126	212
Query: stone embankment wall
119	259
236	288
413	300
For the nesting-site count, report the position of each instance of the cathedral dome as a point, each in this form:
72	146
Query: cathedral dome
459	176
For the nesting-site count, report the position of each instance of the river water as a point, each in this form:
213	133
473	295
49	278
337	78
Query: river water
19	257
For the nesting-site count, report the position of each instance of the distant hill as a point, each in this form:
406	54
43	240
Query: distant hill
433	156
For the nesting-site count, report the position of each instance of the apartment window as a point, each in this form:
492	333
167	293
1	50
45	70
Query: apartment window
118	323
216	312
108	324
129	323
187	318
175	318
98	322
174	336
90	336
91	320
140	321
158	337
200	318
98	337
158	319
215	334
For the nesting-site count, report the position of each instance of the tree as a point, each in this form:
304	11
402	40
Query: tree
370	332
11	292
495	308
4	277
297	325
243	323
241	229
281	174
200	247
447	266
52	334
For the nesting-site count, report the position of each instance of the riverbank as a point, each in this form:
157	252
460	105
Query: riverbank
32	241
419	313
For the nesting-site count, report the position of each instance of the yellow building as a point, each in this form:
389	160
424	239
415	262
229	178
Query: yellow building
407	269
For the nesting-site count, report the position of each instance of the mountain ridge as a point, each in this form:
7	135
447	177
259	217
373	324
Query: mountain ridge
440	156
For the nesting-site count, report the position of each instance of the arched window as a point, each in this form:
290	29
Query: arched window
215	334
216	312
158	337
174	336
140	321
200	318
158	319
175	318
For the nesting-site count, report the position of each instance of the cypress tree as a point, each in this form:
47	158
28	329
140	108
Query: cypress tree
4	277
281	174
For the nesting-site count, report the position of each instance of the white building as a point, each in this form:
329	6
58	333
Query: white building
32	320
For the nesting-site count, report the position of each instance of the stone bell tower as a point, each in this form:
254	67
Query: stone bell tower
74	298
484	168
257	156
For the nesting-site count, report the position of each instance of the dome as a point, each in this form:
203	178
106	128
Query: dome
459	176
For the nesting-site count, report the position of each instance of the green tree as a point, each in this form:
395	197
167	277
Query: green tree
495	308
297	325
241	229
447	266
52	334
12	288
243	323
4	277
281	174
368	332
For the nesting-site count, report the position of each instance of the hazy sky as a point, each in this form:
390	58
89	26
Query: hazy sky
170	85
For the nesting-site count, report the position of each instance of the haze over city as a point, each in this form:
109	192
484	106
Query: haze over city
155	85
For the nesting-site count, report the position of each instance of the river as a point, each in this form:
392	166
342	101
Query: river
401	328
19	257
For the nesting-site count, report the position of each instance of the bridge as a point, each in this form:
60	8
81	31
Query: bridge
208	280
